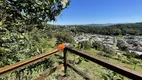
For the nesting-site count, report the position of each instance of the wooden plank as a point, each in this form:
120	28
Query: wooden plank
86	77
65	62
117	68
11	68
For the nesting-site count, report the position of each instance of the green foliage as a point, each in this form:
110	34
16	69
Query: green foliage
132	32
110	75
124	59
109	52
123	47
118	29
131	55
36	11
24	33
97	45
84	45
17	46
19	36
63	37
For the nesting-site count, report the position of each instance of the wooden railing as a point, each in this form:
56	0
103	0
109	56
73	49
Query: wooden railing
13	67
117	68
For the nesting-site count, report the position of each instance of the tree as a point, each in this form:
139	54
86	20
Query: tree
36	11
19	37
123	47
63	37
17	19
116	31
97	45
85	45
132	32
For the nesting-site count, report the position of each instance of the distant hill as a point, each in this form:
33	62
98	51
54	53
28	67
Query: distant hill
110	29
99	24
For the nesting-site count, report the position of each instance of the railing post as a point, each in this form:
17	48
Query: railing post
65	61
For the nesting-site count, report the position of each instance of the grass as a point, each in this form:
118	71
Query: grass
94	53
94	70
130	66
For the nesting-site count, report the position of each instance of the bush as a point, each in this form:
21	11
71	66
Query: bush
109	51
63	37
123	47
97	45
132	55
85	45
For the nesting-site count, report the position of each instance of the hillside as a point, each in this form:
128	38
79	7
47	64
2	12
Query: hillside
118	29
24	33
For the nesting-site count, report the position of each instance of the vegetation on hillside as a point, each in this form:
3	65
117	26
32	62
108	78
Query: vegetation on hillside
24	33
118	29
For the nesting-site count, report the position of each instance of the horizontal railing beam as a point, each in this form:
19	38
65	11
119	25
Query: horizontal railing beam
117	68
85	76
11	68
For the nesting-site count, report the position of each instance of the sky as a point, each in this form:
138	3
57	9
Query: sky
101	12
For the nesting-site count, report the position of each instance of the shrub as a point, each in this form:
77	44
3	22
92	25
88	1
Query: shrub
63	37
97	45
85	45
123	47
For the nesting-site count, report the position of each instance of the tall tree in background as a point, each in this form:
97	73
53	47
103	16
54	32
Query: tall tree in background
17	19
35	11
